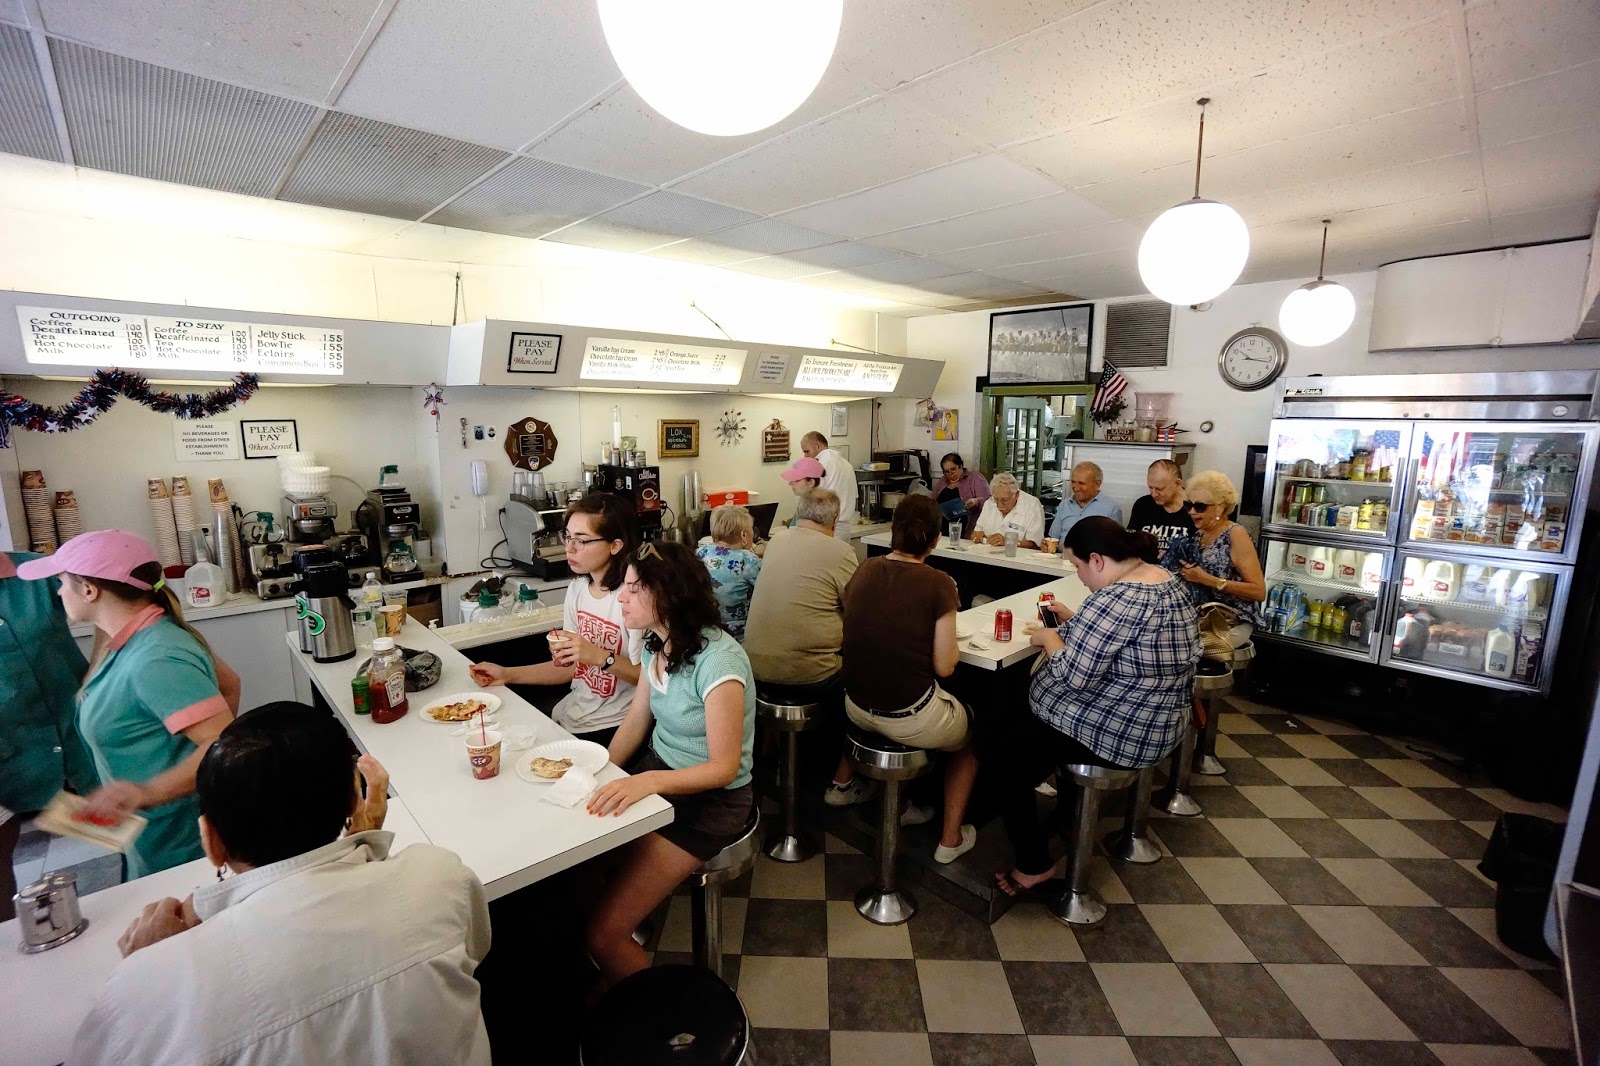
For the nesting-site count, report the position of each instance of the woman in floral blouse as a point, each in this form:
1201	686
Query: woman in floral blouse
732	565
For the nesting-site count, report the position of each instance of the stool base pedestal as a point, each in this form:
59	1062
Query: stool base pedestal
1181	804
1121	844
1078	908
1209	766
894	907
789	848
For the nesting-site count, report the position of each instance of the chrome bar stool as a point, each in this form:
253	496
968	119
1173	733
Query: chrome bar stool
1175	798
1132	842
729	864
884	902
1079	905
1213	679
680	1014
777	715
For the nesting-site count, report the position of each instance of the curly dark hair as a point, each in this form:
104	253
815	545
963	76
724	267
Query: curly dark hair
680	587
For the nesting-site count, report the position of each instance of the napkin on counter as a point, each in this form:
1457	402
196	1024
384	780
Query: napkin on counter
574	787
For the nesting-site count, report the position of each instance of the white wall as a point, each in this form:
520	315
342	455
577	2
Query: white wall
1241	418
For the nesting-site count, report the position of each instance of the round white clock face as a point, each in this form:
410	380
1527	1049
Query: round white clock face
1252	359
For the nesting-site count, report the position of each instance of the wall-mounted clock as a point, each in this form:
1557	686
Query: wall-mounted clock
730	427
1253	358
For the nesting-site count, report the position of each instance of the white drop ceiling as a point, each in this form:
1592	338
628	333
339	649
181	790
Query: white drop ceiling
957	153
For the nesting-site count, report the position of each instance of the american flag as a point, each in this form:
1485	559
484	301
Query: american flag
1110	387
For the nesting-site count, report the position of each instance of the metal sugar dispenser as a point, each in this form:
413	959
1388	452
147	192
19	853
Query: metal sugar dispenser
48	913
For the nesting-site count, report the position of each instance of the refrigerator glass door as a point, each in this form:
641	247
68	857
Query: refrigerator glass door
1335	477
1325	594
1503	489
1476	619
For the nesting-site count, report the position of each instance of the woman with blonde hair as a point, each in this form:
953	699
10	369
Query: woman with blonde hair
732	564
1219	559
155	696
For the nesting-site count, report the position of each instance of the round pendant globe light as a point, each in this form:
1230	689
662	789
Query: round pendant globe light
722	67
1194	251
1319	311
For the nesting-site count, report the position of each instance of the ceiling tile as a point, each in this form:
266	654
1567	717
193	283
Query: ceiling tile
907	270
976	286
846	254
1337	196
763	237
1565	100
779	267
1512	40
497	72
885	139
1103	286
11	11
356	164
135	118
1546	224
1562	168
293	49
26	124
1087	263
957	189
1105	237
529	198
624	136
651	221
1049	214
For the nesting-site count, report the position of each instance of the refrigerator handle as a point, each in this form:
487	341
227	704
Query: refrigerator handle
1410	469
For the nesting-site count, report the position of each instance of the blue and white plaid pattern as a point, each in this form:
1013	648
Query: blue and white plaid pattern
1121	687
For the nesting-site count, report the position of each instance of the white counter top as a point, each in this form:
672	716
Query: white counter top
986	653
500	827
1025	559
48	995
475	634
862	530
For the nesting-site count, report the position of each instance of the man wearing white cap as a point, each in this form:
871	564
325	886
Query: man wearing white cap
837	477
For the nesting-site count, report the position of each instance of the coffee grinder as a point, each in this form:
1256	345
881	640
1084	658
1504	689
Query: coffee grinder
641	485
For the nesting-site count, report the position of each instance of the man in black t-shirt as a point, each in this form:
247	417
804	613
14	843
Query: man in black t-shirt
1162	514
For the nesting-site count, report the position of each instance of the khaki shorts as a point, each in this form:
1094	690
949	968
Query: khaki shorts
941	725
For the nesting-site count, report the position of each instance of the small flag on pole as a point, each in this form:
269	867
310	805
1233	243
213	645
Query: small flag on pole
1110	387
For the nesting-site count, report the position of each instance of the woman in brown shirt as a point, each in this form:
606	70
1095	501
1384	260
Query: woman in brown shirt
899	640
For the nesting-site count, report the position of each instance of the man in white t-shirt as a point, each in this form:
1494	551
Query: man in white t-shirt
1009	509
592	651
837	477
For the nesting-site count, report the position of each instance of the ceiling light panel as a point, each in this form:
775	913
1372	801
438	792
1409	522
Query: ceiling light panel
135	118
357	164
1048	214
26	124
530	197
292	49
1512	40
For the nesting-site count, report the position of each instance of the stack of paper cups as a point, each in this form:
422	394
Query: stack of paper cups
226	528
69	522
183	517
36	503
166	530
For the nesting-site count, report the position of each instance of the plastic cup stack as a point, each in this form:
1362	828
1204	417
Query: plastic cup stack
36	504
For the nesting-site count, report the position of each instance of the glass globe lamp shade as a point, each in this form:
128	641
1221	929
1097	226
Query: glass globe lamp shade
722	67
1193	252
1316	313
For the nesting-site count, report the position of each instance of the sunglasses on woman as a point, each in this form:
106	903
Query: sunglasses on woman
647	550
1197	507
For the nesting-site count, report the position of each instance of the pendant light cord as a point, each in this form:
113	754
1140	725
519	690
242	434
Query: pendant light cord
1322	261
1199	150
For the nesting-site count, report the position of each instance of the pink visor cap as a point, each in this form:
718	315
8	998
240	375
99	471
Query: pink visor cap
109	554
804	468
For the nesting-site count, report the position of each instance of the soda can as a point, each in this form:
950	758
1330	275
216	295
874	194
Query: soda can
1002	625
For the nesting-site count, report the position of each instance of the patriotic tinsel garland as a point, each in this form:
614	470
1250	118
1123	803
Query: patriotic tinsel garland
97	397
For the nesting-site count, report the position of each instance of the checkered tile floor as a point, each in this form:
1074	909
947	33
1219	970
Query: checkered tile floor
1325	909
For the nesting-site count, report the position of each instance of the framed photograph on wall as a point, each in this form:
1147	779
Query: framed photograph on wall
838	420
679	438
1041	346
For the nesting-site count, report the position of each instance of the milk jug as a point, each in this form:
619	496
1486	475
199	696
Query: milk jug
1346	566
1500	586
1411	578
1319	563
1499	653
1475	583
1372	571
1297	558
1441	580
1527	591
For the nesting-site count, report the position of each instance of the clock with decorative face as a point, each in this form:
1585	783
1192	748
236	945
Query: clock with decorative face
1253	358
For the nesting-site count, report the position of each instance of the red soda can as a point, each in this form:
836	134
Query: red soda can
1002	625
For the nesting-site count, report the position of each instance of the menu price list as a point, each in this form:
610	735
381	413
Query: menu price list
60	336
836	373
606	359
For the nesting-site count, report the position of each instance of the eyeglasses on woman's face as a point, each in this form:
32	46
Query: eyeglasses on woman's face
568	537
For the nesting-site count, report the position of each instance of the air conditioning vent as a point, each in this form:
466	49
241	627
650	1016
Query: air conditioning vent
1136	333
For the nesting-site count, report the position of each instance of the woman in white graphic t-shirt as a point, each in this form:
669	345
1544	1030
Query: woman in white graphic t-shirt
592	651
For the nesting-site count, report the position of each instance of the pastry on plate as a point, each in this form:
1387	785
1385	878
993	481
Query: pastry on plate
550	768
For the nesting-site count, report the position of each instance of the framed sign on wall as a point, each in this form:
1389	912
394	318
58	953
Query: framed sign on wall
264	439
679	438
534	353
775	443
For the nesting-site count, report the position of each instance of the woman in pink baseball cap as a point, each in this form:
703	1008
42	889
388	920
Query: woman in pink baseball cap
155	696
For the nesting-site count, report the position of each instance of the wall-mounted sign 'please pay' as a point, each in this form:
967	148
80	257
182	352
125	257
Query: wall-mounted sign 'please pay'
71	337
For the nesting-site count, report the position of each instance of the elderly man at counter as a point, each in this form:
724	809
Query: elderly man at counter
1084	501
837	478
1009	509
968	486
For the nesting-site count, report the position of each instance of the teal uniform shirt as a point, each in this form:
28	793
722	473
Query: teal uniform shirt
40	671
154	682
679	704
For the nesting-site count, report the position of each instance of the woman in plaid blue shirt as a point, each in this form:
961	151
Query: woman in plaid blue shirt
1112	686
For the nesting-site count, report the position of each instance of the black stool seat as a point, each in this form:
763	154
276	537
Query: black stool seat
677	1015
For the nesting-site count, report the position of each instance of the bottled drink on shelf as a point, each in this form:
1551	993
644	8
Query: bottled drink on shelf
1441	579
1499	653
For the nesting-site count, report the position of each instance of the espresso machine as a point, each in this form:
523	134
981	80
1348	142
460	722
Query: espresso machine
641	486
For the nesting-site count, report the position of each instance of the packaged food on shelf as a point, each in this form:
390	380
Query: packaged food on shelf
1529	646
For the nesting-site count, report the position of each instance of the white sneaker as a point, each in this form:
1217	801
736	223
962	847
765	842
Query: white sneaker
914	815
859	790
969	837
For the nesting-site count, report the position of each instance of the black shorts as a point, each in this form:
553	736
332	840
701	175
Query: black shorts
703	823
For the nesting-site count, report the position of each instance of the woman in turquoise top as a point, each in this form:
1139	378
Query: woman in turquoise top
687	738
154	699
40	748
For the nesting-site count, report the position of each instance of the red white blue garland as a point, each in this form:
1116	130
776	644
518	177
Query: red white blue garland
98	397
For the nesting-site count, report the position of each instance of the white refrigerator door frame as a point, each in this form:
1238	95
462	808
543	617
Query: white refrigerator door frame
1552	624
1380	610
1269	498
1576	509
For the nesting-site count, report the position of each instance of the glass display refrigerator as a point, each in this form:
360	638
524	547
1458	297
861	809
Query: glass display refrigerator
1429	523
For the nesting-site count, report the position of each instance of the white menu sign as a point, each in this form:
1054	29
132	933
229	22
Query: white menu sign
846	375
666	362
205	441
70	337
771	367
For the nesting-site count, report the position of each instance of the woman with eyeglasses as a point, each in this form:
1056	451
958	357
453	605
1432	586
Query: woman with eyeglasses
687	738
968	487
1219	559
594	651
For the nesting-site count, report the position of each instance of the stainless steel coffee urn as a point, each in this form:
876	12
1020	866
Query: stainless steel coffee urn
324	611
48	912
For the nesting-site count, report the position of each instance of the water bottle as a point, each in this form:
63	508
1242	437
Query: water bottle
363	624
527	602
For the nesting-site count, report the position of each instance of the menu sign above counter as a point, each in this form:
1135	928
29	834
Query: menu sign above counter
837	374
661	362
68	337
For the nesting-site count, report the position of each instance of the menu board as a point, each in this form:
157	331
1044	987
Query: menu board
70	337
838	374
664	362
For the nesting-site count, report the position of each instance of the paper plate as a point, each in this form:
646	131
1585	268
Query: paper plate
586	755
964	629
490	701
